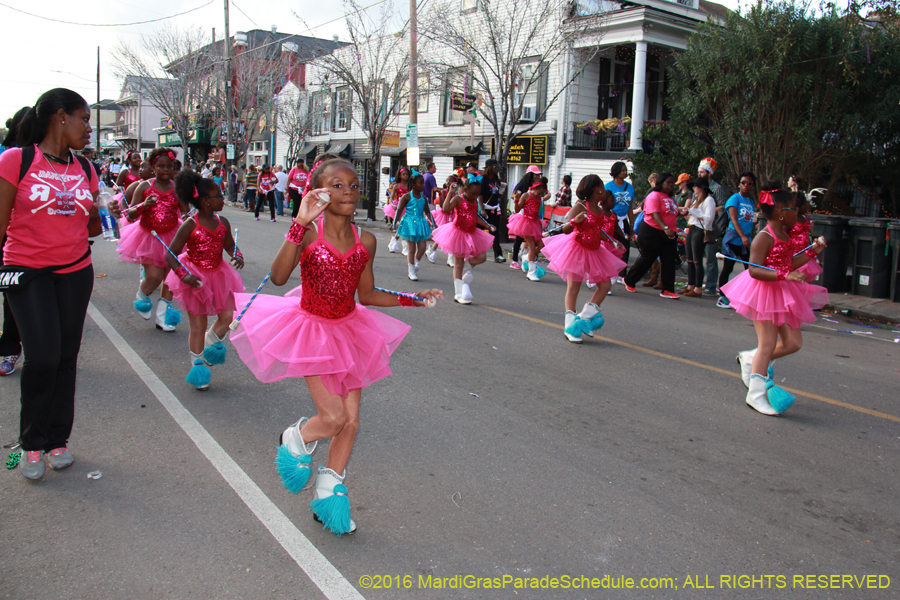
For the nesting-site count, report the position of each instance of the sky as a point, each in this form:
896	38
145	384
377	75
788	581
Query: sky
65	55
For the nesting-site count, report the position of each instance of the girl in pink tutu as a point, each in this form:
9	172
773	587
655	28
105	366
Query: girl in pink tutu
210	287
440	217
321	334
463	239
400	188
579	255
800	239
527	224
154	207
778	301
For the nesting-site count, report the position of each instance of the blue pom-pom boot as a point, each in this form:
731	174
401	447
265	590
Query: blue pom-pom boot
779	399
294	458
199	375
215	351
757	395
572	329
331	506
143	304
166	316
590	319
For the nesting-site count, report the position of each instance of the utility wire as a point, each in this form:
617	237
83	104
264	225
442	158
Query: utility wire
106	24
240	10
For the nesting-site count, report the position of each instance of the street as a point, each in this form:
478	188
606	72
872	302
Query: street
496	449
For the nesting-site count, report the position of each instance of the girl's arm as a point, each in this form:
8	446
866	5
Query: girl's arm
365	290
298	238
450	204
658	220
400	209
95	226
7	199
136	208
430	218
488	225
236	260
575	211
121	178
181	237
733	215
520	201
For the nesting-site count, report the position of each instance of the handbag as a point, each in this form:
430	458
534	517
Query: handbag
709	237
14	278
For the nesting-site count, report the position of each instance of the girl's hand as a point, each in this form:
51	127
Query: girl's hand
493	229
192	280
309	206
818	246
433	294
237	262
150	202
580	217
796	276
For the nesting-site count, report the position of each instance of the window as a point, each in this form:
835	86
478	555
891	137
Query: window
458	81
320	104
342	109
401	95
469	5
532	91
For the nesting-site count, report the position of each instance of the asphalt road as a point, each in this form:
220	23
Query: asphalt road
497	449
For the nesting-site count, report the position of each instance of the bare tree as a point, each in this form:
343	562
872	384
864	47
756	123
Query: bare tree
505	53
294	119
364	81
172	67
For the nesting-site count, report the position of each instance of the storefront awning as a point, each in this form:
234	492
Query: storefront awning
344	149
389	151
306	150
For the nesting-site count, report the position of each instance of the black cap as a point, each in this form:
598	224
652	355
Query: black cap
472	165
702	183
491	162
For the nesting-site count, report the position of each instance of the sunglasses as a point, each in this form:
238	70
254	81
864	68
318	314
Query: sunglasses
742	182
793	208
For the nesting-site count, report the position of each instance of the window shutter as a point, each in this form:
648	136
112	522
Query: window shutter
542	90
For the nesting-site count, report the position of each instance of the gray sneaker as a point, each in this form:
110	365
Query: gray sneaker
59	458
31	464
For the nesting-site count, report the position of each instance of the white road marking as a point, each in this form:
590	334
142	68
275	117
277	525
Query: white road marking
319	569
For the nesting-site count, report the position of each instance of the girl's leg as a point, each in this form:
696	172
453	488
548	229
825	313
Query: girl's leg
532	249
337	418
165	293
459	261
767	337
600	293
572	289
197	336
223	320
420	249
153	277
410	251
475	260
791	342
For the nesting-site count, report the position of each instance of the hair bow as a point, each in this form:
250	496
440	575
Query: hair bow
765	197
536	184
196	192
413	173
473	178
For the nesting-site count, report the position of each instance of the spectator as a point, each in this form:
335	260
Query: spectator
296	184
250	183
564	195
657	238
685	193
796	184
233	185
216	176
430	183
280	189
736	243
701	218
624	194
492	203
706	169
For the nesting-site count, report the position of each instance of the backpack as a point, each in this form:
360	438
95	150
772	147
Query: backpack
28	159
720	225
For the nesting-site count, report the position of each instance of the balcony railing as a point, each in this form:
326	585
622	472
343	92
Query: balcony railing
127	131
609	141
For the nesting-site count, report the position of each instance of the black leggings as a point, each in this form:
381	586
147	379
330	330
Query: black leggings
10	343
50	313
625	244
268	198
294	196
695	249
728	265
495	219
654	243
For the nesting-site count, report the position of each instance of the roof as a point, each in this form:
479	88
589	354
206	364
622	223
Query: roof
107	105
270	42
714	9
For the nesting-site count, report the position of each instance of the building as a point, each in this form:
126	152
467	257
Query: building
135	130
638	40
111	114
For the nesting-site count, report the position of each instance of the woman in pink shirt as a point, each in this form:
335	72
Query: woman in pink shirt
658	238
47	213
266	193
297	179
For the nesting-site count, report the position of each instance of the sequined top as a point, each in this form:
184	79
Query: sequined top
204	247
400	192
330	278
608	224
532	207
465	213
163	216
781	256
129	179
414	211
799	235
587	232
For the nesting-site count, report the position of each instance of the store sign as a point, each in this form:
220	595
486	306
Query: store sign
390	139
526	150
461	102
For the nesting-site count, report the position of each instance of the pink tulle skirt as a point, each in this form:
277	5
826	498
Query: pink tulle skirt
812	269
522	226
618	252
573	262
440	217
390	210
278	339
217	294
457	242
788	303
136	245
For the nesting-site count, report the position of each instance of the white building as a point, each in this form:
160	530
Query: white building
136	129
626	77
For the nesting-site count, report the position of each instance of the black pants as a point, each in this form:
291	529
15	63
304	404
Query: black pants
517	247
695	248
653	244
268	198
294	195
50	312
10	342
495	219
728	265
625	244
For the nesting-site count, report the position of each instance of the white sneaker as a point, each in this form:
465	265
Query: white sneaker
757	397
532	272
745	361
411	272
620	280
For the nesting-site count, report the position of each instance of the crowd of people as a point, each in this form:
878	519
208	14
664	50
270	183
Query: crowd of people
322	331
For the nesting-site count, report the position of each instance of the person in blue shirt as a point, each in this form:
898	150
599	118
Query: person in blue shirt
741	211
624	194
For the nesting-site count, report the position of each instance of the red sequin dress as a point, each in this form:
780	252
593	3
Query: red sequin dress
781	302
800	239
136	243
129	179
390	209
608	225
528	222
320	330
440	217
580	255
202	256
461	237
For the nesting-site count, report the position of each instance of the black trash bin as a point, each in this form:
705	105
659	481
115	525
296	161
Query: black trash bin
894	231
871	263
834	257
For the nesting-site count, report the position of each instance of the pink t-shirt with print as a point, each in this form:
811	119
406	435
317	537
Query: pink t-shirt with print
267	183
44	229
298	179
657	202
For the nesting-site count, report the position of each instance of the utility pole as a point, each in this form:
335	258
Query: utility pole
97	149
412	155
229	121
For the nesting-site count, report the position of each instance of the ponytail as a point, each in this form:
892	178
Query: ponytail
12	126
34	125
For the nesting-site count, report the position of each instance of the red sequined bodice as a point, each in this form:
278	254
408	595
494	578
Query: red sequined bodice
532	208
401	191
587	232
129	179
204	247
799	235
608	224
330	278
465	215
163	216
781	256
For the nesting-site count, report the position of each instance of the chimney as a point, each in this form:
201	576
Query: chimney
335	39
274	29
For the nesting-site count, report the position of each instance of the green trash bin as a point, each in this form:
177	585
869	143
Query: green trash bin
834	257
894	233
871	268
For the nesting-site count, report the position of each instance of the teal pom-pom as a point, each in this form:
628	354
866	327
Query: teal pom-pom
771	372
294	471
589	326
540	271
334	511
215	354
779	399
575	329
143	306
173	316
199	375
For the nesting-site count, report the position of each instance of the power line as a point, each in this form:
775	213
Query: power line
105	24
240	10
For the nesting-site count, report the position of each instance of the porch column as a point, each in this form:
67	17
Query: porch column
637	100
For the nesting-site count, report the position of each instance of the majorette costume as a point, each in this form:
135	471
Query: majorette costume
608	224
461	238
414	225
781	302
390	209
319	331
129	179
528	223
440	217
800	240
580	256
136	245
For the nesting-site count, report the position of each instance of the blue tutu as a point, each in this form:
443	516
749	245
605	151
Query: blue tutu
414	225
